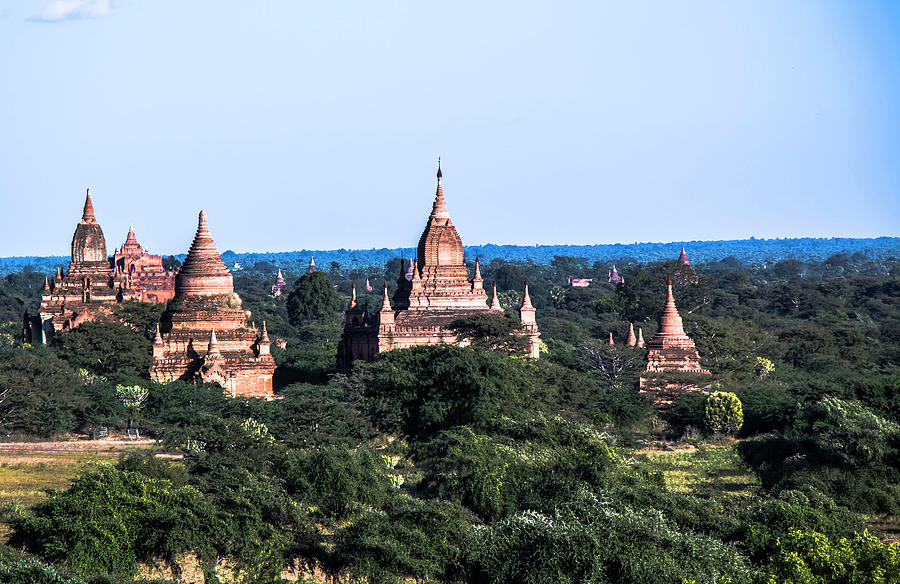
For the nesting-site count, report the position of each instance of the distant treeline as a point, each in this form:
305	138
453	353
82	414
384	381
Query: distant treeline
749	251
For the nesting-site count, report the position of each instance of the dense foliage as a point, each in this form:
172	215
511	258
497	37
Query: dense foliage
473	464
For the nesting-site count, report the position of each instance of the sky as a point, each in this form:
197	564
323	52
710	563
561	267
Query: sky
318	125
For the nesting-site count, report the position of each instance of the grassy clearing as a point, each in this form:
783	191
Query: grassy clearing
24	477
708	469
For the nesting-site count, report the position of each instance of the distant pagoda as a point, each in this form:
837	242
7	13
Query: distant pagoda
613	276
671	349
278	285
204	333
435	291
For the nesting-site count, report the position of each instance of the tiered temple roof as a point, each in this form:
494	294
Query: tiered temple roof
204	334
88	290
671	349
94	283
435	291
143	273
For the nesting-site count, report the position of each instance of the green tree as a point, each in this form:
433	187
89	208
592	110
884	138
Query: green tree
808	557
313	298
724	414
490	331
110	520
107	349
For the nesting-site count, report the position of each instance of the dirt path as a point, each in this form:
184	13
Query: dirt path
73	446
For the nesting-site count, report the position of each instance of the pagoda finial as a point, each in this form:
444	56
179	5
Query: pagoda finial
640	339
46	283
440	207
353	296
610	342
477	277
213	350
157	340
88	215
495	300
312	265
526	299
630	339
386	302
265	334
670	321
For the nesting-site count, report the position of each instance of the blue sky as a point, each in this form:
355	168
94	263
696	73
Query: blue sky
318	124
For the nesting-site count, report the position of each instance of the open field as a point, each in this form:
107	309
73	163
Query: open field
28	469
707	469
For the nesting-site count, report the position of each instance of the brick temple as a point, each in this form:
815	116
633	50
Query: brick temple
671	349
434	291
95	283
204	334
143	273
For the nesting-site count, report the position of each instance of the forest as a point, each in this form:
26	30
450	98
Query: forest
474	465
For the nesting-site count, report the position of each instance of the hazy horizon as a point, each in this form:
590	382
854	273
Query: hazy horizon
319	126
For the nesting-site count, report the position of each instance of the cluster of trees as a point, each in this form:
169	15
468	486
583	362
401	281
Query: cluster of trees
472	464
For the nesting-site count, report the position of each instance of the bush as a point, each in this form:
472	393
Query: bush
724	414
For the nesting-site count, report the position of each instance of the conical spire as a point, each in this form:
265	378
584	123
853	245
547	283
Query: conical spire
353	296
670	321
46	284
439	210
495	300
630	339
130	238
265	334
312	265
640	340
88	215
411	270
386	302
683	258
58	273
157	339
203	271
526	299
477	277
610	342
213	350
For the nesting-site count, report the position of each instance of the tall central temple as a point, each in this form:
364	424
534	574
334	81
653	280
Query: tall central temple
435	291
204	333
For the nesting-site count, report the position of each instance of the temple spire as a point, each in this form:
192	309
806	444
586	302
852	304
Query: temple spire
353	296
439	211
265	334
640	340
683	258
386	302
88	215
495	300
312	265
526	300
213	350
630	339
157	339
670	321
610	342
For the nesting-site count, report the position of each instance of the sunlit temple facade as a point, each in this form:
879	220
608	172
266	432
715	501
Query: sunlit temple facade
434	291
